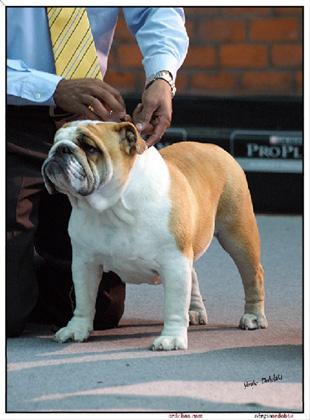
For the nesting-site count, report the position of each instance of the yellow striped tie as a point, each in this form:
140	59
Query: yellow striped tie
73	44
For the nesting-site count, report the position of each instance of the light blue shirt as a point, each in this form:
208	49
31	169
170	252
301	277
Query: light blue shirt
31	78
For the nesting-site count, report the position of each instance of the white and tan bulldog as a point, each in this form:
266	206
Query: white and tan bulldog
147	216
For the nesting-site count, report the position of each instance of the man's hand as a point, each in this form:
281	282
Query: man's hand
153	116
90	98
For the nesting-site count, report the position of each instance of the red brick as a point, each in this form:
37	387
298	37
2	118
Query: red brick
189	24
214	82
279	29
267	82
223	30
123	81
112	61
122	32
182	81
129	55
287	10
200	57
257	11
201	11
244	56
287	55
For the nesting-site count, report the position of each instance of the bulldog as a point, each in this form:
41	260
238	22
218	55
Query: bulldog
147	216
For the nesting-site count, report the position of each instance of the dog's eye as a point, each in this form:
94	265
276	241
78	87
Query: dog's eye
89	149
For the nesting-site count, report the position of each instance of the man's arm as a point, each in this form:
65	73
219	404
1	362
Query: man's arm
29	85
161	35
163	41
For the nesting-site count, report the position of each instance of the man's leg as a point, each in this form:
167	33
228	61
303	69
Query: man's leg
27	146
21	288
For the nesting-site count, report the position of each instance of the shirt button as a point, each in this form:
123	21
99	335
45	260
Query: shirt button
38	95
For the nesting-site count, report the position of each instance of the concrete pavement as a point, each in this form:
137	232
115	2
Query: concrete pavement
116	371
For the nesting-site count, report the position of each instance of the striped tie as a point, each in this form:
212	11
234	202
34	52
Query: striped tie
73	44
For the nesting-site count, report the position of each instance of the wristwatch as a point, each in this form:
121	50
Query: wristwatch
164	75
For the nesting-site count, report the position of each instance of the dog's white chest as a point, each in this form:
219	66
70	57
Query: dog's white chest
124	249
129	245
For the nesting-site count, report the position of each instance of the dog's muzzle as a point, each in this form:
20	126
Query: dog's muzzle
65	172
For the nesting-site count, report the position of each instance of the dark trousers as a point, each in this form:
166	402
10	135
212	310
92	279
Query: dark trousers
39	287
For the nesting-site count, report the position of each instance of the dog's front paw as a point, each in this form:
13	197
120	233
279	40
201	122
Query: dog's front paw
167	342
253	321
197	317
78	329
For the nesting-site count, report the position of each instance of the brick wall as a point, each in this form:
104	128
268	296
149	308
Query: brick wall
233	51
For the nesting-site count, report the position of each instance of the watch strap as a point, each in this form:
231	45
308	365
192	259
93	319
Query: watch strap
163	75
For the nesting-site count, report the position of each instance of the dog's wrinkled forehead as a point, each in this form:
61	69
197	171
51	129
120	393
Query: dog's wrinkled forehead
114	138
70	131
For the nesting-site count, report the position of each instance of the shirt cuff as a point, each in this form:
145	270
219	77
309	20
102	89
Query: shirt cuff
153	65
43	89
30	85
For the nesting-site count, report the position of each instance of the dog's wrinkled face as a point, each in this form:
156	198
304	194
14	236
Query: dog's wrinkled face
89	154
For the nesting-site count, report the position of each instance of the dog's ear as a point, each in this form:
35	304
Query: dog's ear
130	140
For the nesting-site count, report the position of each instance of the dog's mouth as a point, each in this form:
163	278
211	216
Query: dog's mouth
66	174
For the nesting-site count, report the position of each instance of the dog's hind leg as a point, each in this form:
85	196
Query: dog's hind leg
197	310
238	234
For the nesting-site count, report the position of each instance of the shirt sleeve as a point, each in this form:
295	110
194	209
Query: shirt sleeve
30	85
161	36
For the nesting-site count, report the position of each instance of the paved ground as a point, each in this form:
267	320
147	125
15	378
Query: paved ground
115	371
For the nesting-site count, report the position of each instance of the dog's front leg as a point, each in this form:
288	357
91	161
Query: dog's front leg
86	278
176	278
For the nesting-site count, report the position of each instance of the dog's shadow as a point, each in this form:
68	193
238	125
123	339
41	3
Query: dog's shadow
119	334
